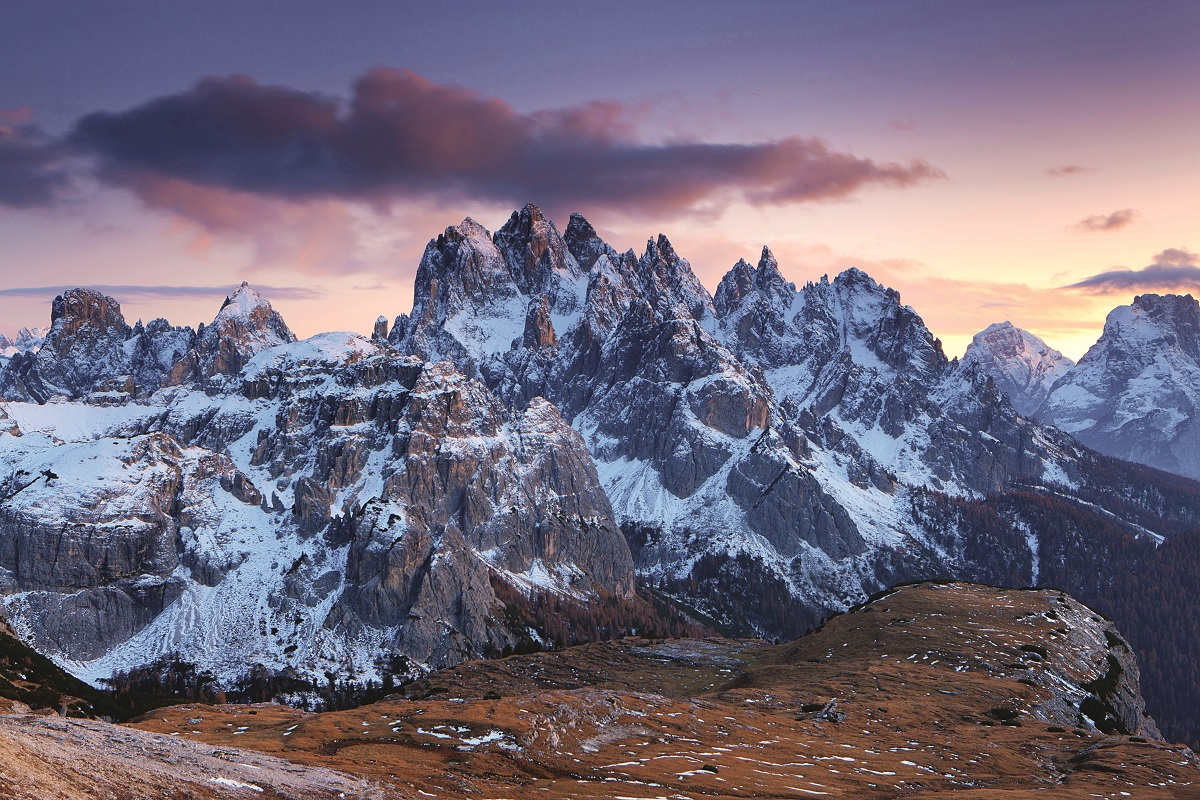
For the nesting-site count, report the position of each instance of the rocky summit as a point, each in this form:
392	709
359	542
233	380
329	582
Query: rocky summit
554	424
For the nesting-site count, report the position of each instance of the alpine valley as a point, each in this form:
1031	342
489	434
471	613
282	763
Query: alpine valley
559	425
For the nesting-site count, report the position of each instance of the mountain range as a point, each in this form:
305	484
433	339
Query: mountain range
552	419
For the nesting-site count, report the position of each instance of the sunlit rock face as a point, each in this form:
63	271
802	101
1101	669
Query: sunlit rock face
245	325
90	348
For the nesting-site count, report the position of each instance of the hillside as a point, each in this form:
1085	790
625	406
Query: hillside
930	690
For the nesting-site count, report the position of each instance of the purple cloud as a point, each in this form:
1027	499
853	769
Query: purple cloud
1173	268
1067	170
31	171
1107	222
402	136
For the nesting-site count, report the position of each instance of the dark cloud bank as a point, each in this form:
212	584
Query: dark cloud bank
402	136
31	171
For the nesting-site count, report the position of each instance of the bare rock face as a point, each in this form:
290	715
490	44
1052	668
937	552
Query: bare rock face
459	506
84	345
468	493
92	535
539	328
380	331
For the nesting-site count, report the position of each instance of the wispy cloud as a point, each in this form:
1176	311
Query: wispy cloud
142	290
1067	170
1173	268
1107	222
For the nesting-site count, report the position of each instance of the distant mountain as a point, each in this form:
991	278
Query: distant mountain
26	339
554	423
1023	366
1136	393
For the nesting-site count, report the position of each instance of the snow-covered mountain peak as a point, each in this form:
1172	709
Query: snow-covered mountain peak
245	324
467	229
1175	318
742	279
90	348
1174	304
475	291
1136	393
868	319
857	275
248	311
734	286
1146	326
242	303
770	280
26	340
1023	366
579	228
536	254
585	244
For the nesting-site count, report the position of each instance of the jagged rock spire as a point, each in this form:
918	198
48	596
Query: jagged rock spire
380	330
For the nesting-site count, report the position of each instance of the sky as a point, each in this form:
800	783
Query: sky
1025	161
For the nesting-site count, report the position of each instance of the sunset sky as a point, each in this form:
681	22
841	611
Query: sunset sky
1029	161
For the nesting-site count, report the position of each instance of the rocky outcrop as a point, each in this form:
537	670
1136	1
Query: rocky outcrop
85	346
380	331
89	539
90	348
